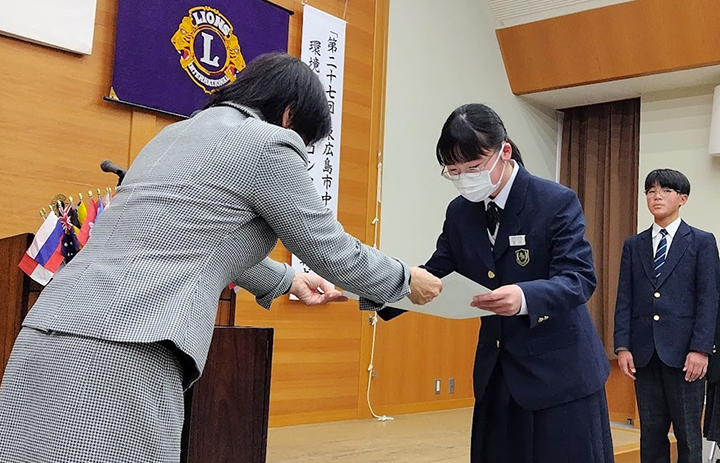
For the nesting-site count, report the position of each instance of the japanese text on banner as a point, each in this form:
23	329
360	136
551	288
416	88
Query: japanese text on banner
323	49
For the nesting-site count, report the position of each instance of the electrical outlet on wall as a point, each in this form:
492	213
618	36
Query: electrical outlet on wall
451	386
437	386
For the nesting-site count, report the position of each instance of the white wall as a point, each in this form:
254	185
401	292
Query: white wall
442	54
674	131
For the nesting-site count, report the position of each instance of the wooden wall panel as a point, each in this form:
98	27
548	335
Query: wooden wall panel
616	42
412	351
620	391
316	357
55	129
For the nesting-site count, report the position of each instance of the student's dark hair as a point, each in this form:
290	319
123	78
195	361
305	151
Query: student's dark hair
472	131
668	178
275	81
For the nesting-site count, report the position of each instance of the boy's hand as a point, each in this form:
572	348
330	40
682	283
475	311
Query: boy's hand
626	363
696	365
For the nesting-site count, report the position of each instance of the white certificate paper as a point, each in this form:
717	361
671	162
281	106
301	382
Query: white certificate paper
455	288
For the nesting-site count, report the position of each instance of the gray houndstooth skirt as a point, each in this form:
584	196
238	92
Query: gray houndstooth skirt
66	398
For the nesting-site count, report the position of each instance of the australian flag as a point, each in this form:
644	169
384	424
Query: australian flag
70	244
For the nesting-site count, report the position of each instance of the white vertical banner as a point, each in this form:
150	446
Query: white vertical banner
323	49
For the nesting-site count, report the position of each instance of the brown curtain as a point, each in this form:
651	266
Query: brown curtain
599	160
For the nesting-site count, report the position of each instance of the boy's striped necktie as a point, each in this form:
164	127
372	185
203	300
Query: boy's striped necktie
661	253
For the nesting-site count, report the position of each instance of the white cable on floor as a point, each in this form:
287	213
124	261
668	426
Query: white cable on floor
373	322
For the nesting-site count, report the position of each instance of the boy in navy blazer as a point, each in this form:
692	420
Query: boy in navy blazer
665	317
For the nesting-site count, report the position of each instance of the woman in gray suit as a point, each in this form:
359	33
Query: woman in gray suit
98	371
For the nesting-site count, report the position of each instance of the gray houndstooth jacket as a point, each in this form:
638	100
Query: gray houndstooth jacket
203	205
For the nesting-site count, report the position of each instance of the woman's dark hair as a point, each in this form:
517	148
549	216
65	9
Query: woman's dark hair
668	178
472	131
275	81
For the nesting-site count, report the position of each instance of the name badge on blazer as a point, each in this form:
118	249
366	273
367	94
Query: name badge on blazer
517	240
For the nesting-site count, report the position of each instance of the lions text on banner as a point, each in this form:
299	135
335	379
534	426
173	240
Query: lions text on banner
323	49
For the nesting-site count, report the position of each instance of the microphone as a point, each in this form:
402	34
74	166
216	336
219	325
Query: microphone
111	167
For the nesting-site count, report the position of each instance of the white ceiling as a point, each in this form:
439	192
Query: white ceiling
513	12
626	88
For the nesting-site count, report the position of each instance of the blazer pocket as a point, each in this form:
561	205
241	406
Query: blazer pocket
543	344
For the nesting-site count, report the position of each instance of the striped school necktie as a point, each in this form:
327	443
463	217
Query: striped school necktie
661	253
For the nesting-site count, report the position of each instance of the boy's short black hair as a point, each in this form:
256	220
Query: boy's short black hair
668	178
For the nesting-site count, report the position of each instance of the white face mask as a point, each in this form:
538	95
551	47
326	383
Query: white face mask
477	186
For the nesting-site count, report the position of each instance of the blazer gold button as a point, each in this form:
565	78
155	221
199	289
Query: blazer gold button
656	317
491	274
657	295
497	343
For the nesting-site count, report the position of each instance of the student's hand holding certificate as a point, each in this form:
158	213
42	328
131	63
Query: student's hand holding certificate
505	301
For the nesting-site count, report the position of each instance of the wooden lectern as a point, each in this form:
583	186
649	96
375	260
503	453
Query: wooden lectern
20	293
226	411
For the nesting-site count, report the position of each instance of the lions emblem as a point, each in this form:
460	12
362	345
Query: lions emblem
209	51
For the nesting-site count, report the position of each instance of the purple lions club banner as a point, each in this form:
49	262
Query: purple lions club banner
170	55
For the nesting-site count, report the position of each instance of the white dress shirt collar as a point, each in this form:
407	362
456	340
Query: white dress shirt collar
671	229
502	197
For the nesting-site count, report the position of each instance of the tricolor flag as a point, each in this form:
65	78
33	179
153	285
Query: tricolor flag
43	258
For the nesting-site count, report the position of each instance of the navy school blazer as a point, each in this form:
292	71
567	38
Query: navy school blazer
676	313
